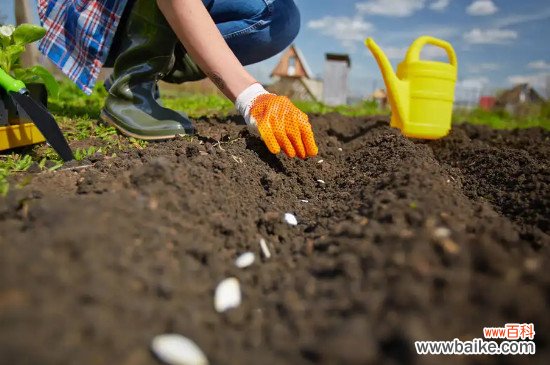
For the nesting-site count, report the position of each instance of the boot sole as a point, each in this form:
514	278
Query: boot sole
106	118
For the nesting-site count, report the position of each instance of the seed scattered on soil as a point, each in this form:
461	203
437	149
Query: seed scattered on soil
449	245
174	349
320	161
228	295
532	264
304	201
237	159
442	232
291	219
321	181
339	149
265	249
334	270
245	260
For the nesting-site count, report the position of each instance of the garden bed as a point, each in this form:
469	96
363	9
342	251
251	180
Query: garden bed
397	241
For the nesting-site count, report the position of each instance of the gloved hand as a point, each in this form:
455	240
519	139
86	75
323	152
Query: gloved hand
280	123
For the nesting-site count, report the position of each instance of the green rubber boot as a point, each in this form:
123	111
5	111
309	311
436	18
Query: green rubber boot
184	69
147	55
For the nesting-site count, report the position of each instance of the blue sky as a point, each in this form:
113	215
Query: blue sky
498	42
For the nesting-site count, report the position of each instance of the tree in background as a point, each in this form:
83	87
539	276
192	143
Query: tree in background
23	14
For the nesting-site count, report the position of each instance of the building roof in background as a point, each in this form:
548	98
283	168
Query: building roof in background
339	57
281	69
519	94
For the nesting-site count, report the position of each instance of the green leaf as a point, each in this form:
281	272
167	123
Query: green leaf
14	51
38	73
25	75
9	56
28	33
4	41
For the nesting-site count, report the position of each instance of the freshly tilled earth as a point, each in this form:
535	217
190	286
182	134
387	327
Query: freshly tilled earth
399	241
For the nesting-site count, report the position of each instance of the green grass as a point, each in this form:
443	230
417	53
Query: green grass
198	105
501	120
10	164
72	102
356	110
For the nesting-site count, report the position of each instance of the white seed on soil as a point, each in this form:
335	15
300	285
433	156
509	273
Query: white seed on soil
291	219
228	295
320	161
304	201
265	249
321	181
174	349
339	149
442	232
245	260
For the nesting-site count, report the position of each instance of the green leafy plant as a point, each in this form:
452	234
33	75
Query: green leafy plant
10	164
13	41
82	153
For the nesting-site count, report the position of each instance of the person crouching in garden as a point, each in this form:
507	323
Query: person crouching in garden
178	41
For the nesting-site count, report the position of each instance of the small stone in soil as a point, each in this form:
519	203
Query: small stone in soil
245	260
228	295
265	249
291	219
174	349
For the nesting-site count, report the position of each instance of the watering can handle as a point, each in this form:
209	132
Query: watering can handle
414	52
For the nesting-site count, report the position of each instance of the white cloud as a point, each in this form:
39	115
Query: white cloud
440	5
490	36
473	83
391	8
395	53
345	29
538	81
483	67
539	65
523	18
433	53
409	35
482	8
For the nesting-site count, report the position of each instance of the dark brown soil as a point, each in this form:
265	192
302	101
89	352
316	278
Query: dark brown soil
95	262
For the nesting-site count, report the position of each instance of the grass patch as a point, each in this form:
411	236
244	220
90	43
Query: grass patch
198	105
73	103
10	164
365	108
501	119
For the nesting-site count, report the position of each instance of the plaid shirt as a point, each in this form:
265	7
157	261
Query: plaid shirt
79	34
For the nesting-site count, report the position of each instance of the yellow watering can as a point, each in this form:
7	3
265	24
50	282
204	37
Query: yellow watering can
421	95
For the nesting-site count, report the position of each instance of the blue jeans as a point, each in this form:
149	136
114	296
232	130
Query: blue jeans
255	29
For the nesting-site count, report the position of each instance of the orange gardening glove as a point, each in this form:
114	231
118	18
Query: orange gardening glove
281	125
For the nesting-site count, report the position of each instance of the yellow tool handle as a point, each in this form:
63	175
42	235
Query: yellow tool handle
414	51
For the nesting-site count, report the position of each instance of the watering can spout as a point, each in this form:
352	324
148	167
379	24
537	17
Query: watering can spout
398	90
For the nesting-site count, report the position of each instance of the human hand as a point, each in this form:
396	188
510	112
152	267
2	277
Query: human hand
281	124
